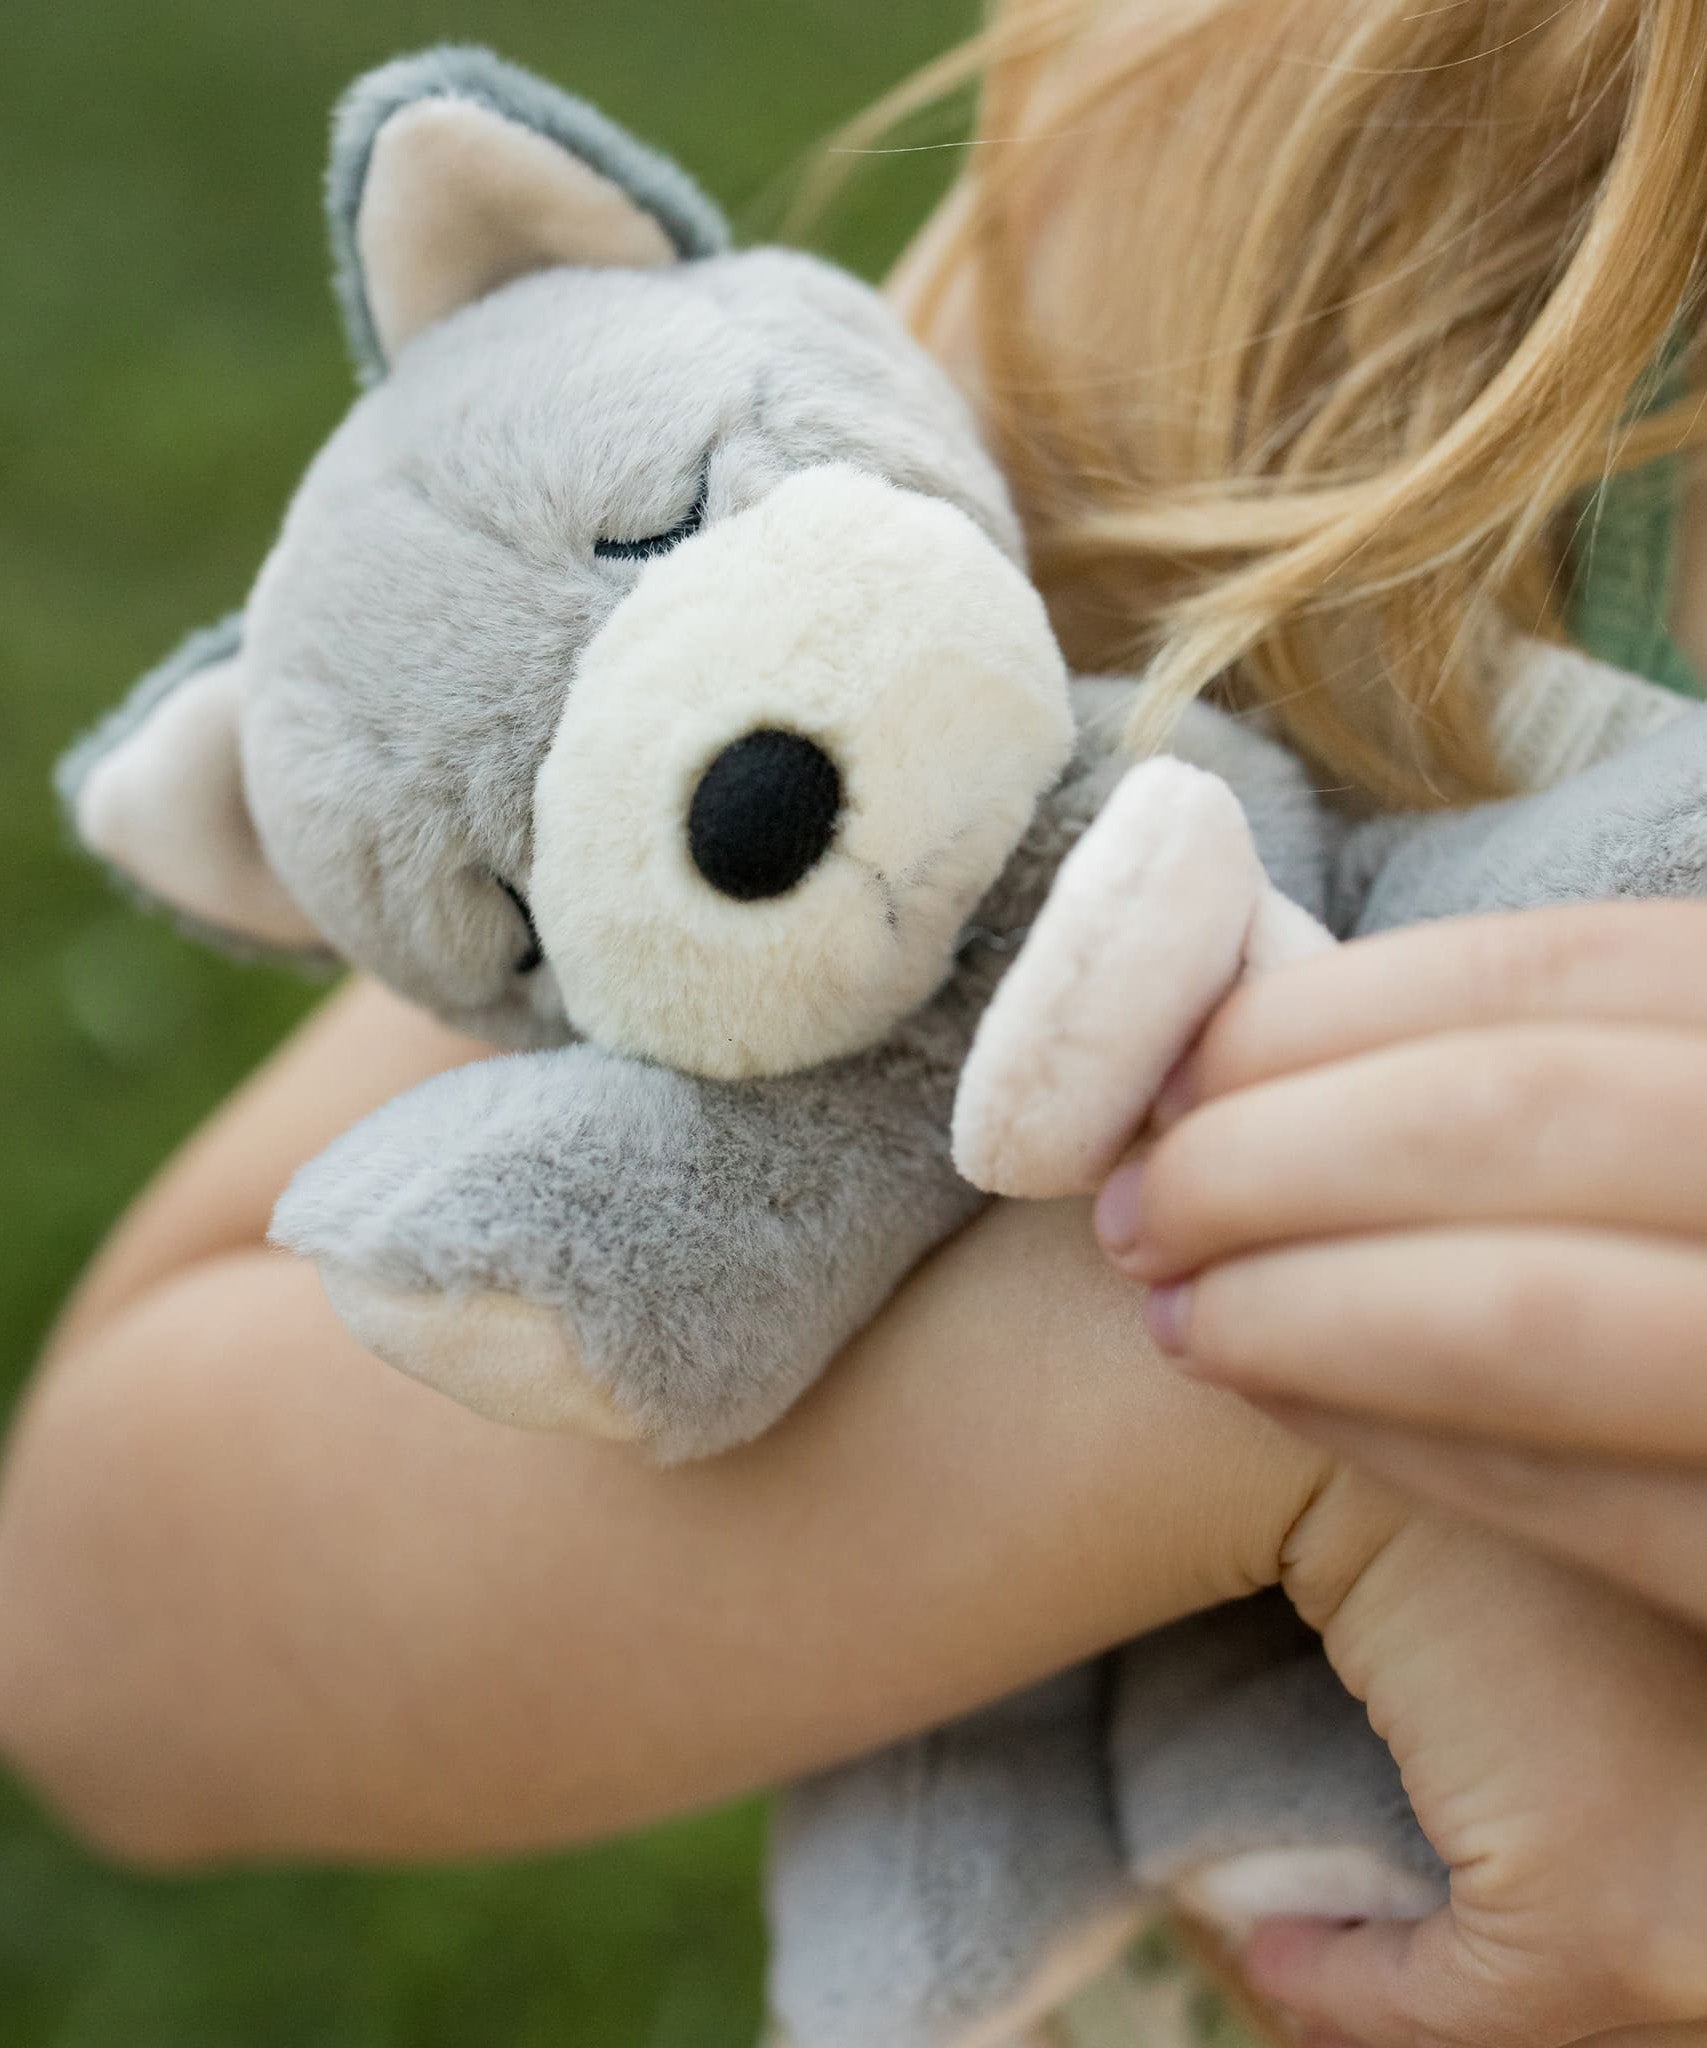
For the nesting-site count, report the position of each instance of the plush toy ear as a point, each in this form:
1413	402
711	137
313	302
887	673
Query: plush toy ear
157	793
453	173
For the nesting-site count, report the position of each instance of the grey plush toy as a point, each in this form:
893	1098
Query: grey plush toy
645	677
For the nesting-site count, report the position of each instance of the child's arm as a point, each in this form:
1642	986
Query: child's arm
1445	1187
360	1049
259	1593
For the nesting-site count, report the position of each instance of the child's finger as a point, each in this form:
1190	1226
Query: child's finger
1640	963
1393	1985
1386	1985
1551	1123
1500	1332
1643	1525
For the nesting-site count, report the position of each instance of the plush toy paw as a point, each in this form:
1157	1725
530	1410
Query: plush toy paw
462	1233
954	1889
569	1240
1154	916
511	1360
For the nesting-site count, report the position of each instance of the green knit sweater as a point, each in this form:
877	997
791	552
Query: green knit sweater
1624	567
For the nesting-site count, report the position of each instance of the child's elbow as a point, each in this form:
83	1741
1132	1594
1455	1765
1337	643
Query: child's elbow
98	1808
93	1715
104	1775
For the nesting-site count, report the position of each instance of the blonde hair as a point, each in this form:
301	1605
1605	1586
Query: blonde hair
1302	327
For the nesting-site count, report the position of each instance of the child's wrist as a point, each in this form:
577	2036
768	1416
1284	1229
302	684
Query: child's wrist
1348	1526
1258	1517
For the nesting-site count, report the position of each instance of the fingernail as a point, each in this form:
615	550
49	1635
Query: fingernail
1119	1211
1167	1311
1262	1965
1176	1098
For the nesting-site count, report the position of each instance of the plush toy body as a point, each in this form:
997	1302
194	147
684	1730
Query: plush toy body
645	677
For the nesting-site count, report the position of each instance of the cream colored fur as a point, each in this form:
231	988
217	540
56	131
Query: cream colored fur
880	624
1281	933
504	1358
459	201
1152	919
166	807
1307	1882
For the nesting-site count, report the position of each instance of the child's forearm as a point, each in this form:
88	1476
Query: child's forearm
215	1196
259	1594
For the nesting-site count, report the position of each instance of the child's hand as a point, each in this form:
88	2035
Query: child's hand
1553	1736
1439	1201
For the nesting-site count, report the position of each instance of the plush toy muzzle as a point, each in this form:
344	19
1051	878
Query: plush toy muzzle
748	855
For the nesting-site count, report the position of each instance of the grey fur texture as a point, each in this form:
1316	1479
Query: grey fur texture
1230	1732
918	1898
1635	825
407	651
691	220
709	1243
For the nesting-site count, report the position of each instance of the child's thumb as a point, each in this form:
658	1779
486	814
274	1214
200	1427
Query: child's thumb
1386	1984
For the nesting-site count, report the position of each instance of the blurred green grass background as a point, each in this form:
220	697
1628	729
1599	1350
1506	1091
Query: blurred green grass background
168	363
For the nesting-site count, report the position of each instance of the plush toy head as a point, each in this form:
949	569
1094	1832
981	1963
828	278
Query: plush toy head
646	656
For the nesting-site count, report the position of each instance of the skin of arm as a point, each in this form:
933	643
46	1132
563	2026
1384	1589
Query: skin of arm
260	1595
1438	1203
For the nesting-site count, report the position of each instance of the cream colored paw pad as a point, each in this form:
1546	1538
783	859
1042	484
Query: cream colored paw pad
511	1361
1154	916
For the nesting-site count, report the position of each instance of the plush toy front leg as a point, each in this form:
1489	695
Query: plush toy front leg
954	1889
1250	1784
1154	916
569	1240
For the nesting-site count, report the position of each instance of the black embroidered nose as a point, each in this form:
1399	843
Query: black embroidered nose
764	815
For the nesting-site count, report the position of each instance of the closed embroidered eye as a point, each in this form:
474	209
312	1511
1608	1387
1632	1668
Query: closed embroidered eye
654	543
534	955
